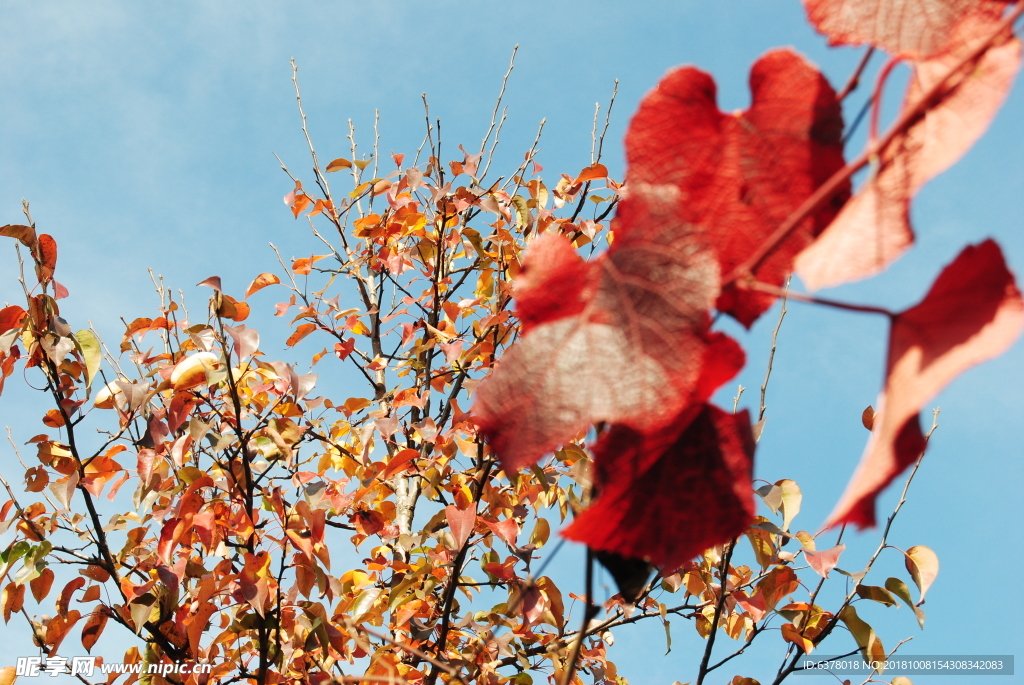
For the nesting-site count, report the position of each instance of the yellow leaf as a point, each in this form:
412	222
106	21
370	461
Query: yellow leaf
923	565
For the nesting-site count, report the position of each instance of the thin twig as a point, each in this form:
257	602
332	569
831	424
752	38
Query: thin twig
771	353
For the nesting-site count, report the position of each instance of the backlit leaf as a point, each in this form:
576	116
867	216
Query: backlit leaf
622	346
972	313
874	228
824	561
92	354
736	177
591	173
639	512
261	282
923	565
300	332
461	523
917	28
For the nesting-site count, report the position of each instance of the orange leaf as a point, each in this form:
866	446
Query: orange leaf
973	312
592	172
300	203
261	282
93	627
300	333
41	584
790	633
400	462
53	419
25	234
303	266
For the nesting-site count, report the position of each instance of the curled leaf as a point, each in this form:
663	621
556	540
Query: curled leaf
261	282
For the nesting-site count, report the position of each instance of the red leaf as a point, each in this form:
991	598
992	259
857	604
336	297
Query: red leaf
11	317
46	257
696	495
873	229
343	350
626	348
461	522
915	28
973	312
507	531
554	282
824	561
736	176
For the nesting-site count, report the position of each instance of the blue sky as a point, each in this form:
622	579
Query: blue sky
143	135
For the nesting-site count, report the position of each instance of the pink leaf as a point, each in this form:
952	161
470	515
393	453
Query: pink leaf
824	561
461	523
626	348
874	229
917	28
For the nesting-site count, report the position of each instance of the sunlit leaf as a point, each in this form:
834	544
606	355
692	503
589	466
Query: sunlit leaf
261	282
972	312
923	565
338	164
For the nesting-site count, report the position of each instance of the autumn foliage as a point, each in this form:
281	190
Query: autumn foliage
286	527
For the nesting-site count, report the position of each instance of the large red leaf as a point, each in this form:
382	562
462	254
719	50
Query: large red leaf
873	229
736	176
697	493
914	28
627	346
973	312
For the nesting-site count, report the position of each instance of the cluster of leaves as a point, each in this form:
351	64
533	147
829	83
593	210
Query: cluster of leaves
246	487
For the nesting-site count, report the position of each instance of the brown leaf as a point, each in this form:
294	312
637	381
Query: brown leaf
338	164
